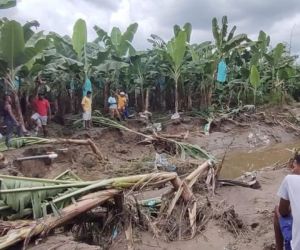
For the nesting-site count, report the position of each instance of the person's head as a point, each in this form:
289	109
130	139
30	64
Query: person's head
88	94
122	93
41	96
7	98
296	164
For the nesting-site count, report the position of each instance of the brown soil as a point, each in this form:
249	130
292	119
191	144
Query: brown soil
125	156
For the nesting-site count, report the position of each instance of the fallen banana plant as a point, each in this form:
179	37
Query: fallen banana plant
27	141
22	197
17	231
183	149
53	202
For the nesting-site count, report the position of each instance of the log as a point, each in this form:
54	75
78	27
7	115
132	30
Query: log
192	177
178	184
89	142
249	184
34	228
177	136
183	191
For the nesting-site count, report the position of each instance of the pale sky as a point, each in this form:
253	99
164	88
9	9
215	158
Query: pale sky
280	19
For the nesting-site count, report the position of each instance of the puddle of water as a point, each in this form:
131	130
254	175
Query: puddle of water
238	163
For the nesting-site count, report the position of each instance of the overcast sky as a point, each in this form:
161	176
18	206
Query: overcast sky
280	19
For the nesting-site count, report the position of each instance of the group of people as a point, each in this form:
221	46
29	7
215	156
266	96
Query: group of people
117	103
41	112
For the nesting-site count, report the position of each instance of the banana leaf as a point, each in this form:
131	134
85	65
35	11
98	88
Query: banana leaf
21	196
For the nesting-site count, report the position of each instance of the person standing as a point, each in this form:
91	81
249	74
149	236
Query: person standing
42	110
10	120
287	216
113	107
122	104
86	104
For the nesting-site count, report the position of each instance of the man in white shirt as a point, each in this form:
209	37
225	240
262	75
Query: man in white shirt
287	214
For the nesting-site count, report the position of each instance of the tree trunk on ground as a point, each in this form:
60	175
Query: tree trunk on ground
33	228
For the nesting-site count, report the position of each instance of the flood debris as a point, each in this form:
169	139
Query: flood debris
34	206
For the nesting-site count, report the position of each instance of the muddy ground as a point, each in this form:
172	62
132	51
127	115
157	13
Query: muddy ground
251	144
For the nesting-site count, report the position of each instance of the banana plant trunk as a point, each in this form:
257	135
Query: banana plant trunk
19	111
106	95
189	97
147	100
176	95
142	96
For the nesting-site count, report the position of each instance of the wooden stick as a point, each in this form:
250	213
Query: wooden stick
128	234
192	216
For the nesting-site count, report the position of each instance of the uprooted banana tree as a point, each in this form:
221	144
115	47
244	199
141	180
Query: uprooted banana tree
53	202
182	149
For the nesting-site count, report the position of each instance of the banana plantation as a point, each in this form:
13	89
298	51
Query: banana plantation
205	134
172	75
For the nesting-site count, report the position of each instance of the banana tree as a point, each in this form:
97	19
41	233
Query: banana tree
76	57
6	4
144	73
18	50
110	71
226	42
119	44
198	71
173	53
255	81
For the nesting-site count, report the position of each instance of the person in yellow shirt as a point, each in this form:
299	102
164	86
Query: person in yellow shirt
122	101
86	104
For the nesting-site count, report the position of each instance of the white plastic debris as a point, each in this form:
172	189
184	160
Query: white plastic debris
175	116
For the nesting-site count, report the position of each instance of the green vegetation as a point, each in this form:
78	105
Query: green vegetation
175	75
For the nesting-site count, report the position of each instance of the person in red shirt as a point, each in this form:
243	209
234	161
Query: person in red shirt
42	109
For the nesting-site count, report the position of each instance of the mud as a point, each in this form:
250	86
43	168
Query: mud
252	147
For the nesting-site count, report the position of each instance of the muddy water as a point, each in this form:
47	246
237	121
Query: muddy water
239	162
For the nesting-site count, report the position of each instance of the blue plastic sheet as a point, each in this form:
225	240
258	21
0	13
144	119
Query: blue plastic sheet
222	71
87	87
